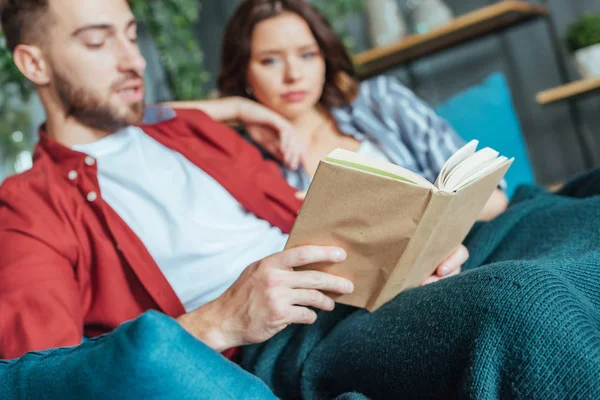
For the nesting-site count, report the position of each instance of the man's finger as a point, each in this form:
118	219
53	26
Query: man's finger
312	298
301	315
318	280
305	255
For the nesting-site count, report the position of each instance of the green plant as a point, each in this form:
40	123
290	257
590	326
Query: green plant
15	91
170	23
584	32
9	73
337	12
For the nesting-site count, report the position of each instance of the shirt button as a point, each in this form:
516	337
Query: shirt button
90	161
73	175
92	196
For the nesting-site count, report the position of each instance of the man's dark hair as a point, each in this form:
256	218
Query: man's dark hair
23	21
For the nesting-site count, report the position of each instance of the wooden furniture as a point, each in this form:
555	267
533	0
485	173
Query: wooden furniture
492	19
568	91
488	20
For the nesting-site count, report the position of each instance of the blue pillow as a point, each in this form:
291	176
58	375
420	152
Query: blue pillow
485	112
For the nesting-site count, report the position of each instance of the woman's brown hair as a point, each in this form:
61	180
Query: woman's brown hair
340	79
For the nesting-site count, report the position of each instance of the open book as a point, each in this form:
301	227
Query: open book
396	226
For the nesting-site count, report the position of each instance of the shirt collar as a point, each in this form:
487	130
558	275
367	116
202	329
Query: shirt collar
68	159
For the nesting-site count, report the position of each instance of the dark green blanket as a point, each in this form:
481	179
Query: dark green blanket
522	321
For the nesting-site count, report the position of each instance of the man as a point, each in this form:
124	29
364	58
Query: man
116	219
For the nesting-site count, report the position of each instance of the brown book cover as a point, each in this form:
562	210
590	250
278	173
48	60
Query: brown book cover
395	226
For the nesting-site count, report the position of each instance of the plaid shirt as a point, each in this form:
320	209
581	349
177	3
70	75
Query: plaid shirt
401	125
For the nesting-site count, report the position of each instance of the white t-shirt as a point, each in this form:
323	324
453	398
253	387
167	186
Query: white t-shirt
198	234
369	149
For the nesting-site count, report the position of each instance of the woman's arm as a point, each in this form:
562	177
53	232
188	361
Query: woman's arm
267	128
225	110
495	206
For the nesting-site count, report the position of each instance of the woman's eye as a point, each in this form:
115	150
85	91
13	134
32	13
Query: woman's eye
310	55
133	40
267	61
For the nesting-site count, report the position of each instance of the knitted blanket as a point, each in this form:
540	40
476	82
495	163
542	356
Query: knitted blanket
521	321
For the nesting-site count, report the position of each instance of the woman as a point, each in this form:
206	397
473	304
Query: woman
284	55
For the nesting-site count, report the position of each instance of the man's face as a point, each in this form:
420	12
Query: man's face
96	67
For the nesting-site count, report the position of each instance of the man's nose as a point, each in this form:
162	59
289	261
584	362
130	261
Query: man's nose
131	59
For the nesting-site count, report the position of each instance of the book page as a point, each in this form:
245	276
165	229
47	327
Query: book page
467	167
455	159
378	167
485	170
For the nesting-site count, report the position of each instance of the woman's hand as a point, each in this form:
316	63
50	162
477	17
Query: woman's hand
450	266
267	128
271	131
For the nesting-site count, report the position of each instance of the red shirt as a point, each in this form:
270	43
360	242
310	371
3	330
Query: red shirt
70	266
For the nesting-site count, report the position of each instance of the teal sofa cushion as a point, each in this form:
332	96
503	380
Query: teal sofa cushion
485	112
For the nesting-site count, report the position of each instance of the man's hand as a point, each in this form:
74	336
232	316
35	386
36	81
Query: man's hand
450	266
273	132
267	297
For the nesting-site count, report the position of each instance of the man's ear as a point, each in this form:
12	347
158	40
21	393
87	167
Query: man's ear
31	62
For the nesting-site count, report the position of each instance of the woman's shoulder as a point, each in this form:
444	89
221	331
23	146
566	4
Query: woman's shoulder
383	96
382	87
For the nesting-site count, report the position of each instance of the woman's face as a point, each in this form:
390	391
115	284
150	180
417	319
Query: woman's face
287	69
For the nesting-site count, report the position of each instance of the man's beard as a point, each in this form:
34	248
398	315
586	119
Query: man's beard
91	111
